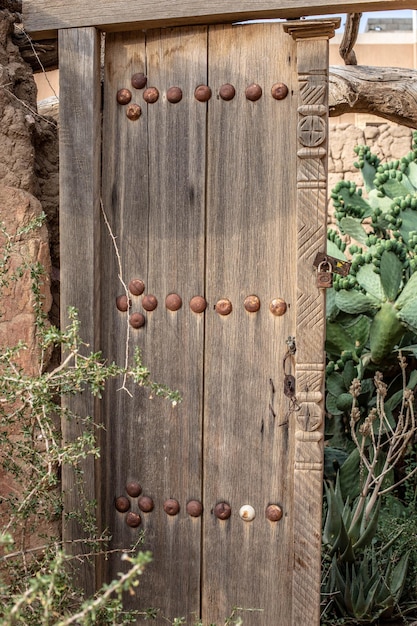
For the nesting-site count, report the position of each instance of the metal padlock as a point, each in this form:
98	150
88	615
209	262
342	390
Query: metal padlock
324	275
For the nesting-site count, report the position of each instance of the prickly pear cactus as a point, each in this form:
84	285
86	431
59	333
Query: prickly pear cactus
374	309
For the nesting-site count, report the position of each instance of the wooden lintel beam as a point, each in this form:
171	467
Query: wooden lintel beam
45	17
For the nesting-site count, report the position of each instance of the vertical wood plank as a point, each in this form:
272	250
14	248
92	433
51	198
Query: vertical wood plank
153	189
251	238
80	111
126	209
312	69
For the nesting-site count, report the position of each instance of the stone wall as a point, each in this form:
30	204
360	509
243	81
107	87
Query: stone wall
387	141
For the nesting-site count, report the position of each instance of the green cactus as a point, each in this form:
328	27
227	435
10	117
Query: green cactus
382	283
371	316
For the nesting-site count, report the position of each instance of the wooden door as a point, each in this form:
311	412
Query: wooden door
215	199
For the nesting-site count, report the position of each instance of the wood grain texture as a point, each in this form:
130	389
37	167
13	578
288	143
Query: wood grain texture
46	16
223	199
364	89
153	189
312	69
251	244
79	144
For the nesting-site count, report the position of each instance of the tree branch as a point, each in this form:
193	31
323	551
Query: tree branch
388	92
349	38
40	55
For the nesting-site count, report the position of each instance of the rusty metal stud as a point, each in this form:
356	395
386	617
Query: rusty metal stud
145	503
227	92
273	513
133	519
198	304
133	489
137	320
278	306
174	94
222	510
139	80
171	506
279	91
122	504
124	96
194	508
136	287
253	92
202	93
151	95
252	304
247	513
133	111
224	307
123	303
149	302
173	302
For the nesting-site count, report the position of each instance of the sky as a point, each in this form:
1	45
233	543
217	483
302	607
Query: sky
375	14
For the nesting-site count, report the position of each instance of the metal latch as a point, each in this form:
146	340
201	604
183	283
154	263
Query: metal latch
337	265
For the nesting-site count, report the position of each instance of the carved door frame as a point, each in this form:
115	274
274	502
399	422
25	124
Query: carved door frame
80	137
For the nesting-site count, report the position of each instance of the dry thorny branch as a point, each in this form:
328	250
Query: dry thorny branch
382	444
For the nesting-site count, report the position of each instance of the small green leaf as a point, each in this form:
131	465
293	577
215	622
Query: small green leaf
332	523
394	188
342	540
349	373
335	384
408	314
398	576
349	475
412	173
358	329
370	281
408	223
331	407
408	293
391	274
353	227
338	339
368	533
353	301
333	250
376	202
331	308
368	172
412	381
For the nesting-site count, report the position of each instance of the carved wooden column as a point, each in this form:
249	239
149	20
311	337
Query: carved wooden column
312	68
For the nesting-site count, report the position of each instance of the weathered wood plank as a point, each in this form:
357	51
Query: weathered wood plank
79	214
312	69
153	186
125	204
42	16
251	238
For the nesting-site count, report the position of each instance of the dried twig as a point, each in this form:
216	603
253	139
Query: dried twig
349	38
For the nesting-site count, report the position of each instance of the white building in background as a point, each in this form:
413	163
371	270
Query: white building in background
386	39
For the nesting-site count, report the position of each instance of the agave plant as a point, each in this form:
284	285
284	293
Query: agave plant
346	529
360	580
